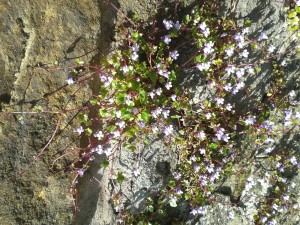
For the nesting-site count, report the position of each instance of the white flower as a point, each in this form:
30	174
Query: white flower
245	53
151	94
121	124
166	39
250	70
230	215
294	160
116	133
208	116
202	26
98	150
271	49
228	87
250	120
168	85
298	2
168	130
228	107
208	48
135	172
118	114
203	66
206	32
177	25
99	135
201	135
202	151
135	47
240	72
230	69
219	101
134	56
78	130
174	54
173	97
229	51
158	91
70	80
168	24
263	36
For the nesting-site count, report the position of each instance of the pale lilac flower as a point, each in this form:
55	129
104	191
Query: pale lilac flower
168	24
134	56
202	26
250	70
121	124
125	69
70	80
177	25
293	184
228	107
298	2
203	66
245	30
135	172
196	168
263	36
294	160
174	54
268	150
202	151
173	200
98	150
118	114
166	39
208	116
250	120
205	32
178	191
220	133
194	212
283	63
168	130
165	113
225	137
230	215
228	87
239	37
177	176
141	124
81	172
168	85
78	130
135	111
155	129
201	135
245	53
151	94
164	72
99	135
208	48
292	93
229	51
219	101
158	91
193	158
271	49
135	47
286	198
269	140
116	133
230	70
240	72
173	97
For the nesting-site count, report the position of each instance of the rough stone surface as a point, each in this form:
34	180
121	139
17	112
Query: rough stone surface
39	34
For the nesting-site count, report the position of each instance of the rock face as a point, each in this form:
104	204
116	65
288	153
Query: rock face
39	34
42	35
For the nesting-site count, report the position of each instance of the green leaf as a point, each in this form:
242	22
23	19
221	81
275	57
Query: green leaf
187	195
176	117
105	163
146	115
120	177
150	208
172	183
88	131
173	204
247	23
292	14
78	62
213	146
120	98
103	113
111	128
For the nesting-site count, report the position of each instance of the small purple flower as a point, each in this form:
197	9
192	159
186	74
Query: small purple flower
168	24
177	25
70	80
78	130
174	54
166	39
